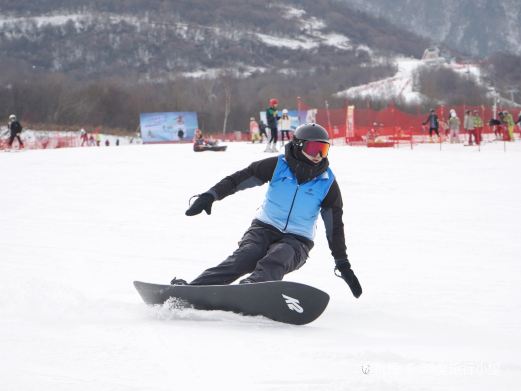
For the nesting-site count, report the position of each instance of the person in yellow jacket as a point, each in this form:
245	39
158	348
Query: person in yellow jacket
478	126
509	122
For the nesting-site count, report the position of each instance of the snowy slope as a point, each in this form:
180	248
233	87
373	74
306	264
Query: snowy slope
433	236
401	86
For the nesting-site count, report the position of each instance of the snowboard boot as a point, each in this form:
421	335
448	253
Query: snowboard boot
246	281
178	281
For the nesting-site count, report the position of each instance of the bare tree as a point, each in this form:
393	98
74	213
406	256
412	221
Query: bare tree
227	89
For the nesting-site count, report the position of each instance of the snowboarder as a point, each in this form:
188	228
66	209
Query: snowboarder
15	128
282	233
199	140
272	118
202	144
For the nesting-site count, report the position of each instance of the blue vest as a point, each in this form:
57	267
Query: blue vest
294	208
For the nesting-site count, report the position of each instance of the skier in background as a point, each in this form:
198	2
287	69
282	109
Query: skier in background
432	120
272	118
84	137
285	127
508	120
497	126
15	129
478	126
454	124
262	129
282	233
254	131
181	134
468	125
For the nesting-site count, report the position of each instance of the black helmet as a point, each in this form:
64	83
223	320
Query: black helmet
311	132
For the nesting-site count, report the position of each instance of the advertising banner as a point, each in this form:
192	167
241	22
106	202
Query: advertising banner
167	127
350	121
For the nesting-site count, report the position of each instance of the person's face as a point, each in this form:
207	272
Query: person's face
315	159
315	151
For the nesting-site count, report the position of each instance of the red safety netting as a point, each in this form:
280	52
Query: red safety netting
43	141
391	124
334	120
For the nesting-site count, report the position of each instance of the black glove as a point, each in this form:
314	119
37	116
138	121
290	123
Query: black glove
203	202
344	267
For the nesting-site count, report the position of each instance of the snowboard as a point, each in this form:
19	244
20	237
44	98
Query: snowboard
215	148
281	301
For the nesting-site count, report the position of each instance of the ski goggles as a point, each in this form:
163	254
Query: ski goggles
313	148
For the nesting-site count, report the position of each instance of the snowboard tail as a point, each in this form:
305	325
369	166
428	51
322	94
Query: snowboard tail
282	301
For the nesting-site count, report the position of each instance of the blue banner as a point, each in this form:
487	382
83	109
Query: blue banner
167	127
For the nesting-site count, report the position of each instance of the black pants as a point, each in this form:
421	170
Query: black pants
274	135
264	252
435	130
12	137
286	133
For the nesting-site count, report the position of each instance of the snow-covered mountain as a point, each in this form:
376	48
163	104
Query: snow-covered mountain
155	40
476	27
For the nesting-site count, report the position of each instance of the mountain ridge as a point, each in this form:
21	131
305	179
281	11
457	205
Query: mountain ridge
159	40
478	28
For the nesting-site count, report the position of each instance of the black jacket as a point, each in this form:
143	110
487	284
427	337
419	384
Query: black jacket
15	127
432	120
260	172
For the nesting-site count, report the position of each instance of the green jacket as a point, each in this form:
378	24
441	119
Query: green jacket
508	119
478	122
272	117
